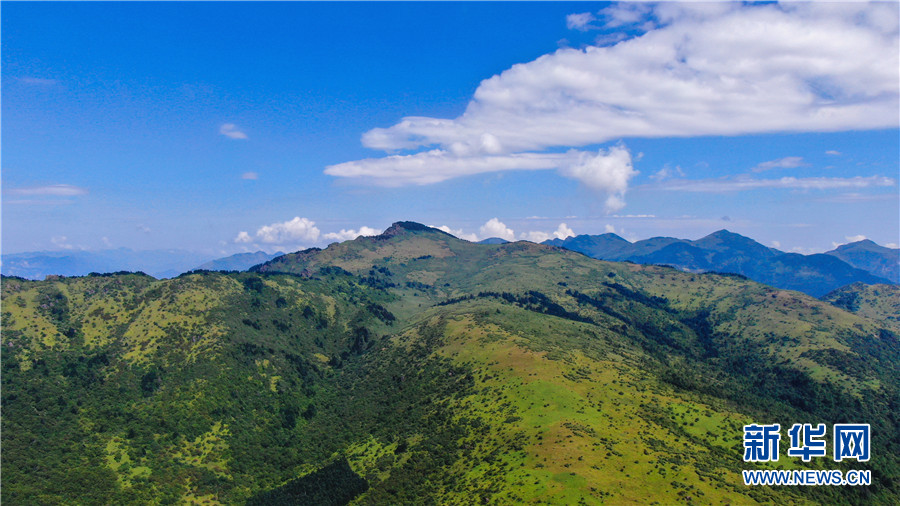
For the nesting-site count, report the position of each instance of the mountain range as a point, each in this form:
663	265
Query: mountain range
416	368
239	261
157	263
725	251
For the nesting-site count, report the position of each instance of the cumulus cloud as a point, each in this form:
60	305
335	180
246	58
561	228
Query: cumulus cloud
496	228
833	152
788	162
250	175
296	231
607	171
610	229
744	183
892	245
347	235
56	190
561	232
299	231
686	69
231	131
458	233
535	236
581	21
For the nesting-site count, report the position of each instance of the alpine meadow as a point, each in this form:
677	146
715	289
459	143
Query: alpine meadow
450	253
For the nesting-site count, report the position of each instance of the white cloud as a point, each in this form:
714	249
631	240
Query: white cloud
143	228
296	231
833	152
788	162
250	175
691	70
581	21
561	232
610	229
776	244
743	183
58	190
892	245
347	235
706	72
243	237
231	131
438	165
496	228
535	236
606	170
458	233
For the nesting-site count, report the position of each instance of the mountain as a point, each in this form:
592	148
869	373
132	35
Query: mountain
871	257
606	246
416	368
725	251
877	302
493	240
157	263
238	262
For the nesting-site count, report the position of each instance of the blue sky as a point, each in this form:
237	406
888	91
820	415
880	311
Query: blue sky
229	127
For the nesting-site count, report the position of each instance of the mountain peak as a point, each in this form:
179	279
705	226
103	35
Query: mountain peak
406	227
725	234
865	243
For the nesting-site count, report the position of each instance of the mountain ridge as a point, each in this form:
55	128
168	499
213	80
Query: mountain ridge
434	370
725	251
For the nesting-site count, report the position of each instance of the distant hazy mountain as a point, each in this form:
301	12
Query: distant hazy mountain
871	257
239	262
157	263
493	240
605	246
725	251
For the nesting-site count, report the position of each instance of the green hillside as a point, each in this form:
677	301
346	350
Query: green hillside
416	368
877	302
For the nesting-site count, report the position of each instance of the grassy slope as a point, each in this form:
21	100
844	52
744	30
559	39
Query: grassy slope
880	303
